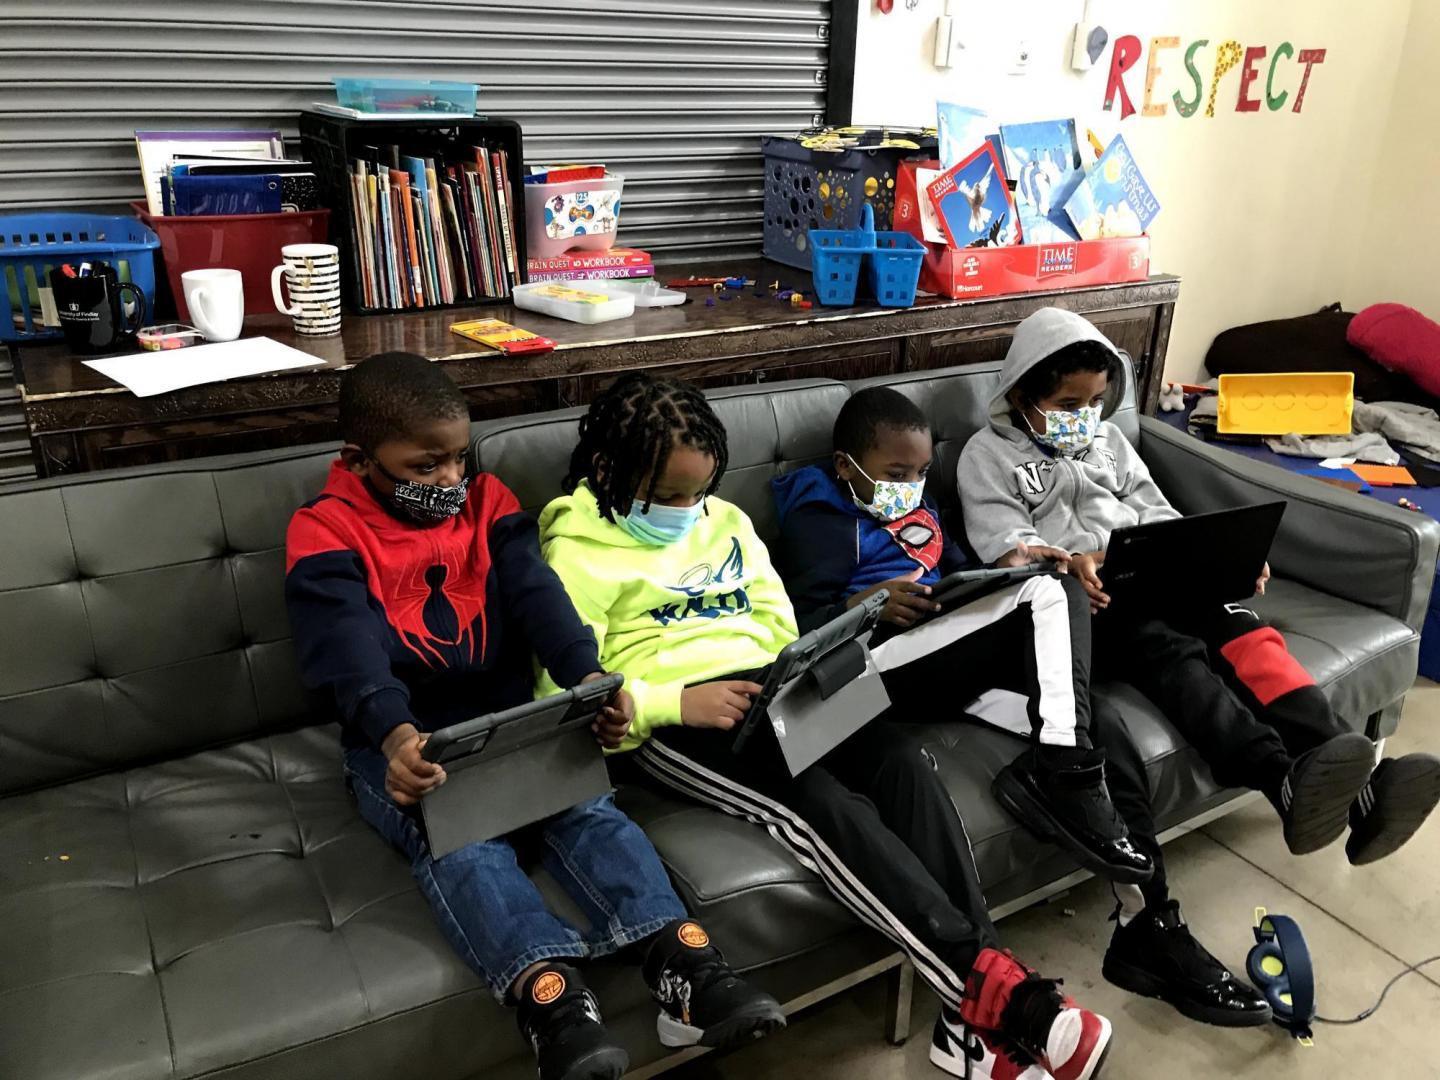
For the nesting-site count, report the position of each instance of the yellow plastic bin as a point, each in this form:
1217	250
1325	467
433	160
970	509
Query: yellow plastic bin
1289	403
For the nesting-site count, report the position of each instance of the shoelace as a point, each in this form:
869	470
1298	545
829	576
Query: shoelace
578	1008
701	973
1028	1018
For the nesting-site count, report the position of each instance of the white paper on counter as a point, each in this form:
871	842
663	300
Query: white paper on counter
148	373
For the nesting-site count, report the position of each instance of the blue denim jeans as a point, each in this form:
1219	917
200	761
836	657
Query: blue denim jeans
491	912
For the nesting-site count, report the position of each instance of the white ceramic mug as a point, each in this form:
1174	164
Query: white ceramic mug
216	299
312	277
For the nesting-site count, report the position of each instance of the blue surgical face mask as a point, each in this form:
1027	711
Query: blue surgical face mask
661	524
1068	432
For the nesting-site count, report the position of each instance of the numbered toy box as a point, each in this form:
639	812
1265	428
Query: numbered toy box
1019	268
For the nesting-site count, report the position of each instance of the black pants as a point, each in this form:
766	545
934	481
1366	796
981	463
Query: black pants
1226	681
1032	639
872	818
1010	654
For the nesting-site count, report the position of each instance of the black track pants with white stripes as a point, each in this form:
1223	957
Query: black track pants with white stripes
872	818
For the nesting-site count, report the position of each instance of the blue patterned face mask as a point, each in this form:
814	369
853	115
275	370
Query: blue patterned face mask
661	524
892	500
1068	432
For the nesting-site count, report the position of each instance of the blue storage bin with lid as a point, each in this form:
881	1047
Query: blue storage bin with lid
31	244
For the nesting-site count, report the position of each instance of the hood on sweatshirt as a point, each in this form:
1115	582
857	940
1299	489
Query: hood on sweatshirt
579	517
1040	336
815	483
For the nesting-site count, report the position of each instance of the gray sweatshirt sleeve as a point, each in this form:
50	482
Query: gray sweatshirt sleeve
996	516
1137	489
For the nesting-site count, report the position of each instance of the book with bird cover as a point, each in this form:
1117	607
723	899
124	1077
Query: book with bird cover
973	202
1113	199
1043	159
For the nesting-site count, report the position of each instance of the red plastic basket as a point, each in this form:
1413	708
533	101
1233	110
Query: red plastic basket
249	243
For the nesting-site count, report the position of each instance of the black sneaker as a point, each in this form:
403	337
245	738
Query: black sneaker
1314	800
1071	807
1395	802
1157	956
560	1017
701	999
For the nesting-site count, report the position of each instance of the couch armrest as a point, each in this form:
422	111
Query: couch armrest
1336	541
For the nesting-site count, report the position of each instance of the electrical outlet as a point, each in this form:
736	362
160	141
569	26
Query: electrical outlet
1020	57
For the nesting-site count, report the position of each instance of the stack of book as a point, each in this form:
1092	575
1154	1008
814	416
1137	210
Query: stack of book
589	265
430	232
190	173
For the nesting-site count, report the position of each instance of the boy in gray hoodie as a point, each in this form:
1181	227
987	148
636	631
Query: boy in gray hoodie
1049	471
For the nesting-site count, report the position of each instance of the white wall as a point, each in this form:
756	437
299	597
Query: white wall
1262	214
1396	257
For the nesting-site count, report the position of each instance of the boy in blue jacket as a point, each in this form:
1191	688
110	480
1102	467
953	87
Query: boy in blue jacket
418	599
863	523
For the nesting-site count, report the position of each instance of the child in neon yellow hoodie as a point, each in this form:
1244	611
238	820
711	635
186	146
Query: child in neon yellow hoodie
682	597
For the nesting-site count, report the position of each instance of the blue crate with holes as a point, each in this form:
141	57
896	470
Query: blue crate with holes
823	178
31	244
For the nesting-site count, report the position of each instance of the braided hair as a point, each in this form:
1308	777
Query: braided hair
628	434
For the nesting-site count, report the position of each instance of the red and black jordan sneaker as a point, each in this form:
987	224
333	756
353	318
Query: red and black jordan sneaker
1004	996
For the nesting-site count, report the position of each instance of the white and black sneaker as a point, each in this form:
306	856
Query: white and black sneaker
560	1017
978	1055
1315	797
1399	796
702	1001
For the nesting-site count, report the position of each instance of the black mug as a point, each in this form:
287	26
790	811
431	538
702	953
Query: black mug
92	309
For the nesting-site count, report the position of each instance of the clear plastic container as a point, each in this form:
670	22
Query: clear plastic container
407	96
577	304
647	292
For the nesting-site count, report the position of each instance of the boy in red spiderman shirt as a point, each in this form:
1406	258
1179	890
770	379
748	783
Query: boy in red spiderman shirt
419	599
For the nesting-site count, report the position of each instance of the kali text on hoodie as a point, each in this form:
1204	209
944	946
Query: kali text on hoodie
667	616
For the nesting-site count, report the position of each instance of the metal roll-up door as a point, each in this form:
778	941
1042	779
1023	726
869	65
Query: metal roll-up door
672	94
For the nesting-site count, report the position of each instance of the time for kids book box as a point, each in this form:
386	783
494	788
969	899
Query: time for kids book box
1061	227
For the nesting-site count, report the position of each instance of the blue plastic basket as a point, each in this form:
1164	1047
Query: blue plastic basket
31	244
894	268
892	260
835	259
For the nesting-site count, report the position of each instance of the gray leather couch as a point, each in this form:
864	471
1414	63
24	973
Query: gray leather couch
186	890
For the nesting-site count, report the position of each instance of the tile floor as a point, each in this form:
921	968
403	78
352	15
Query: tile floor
1363	925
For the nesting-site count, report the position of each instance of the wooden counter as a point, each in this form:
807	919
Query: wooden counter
80	420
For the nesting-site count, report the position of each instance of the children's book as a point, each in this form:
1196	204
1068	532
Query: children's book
959	130
1043	160
1113	199
973	202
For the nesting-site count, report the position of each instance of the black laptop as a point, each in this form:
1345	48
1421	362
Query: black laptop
1213	558
516	767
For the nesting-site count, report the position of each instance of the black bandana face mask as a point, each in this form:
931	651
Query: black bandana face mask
424	504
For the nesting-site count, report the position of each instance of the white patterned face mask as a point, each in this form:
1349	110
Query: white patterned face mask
893	499
1068	432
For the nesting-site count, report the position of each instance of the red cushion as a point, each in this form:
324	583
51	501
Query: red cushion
1401	339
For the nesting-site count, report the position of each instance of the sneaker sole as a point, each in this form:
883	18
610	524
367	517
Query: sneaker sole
1036	817
1320	803
1139	981
1412	790
605	1063
751	1023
